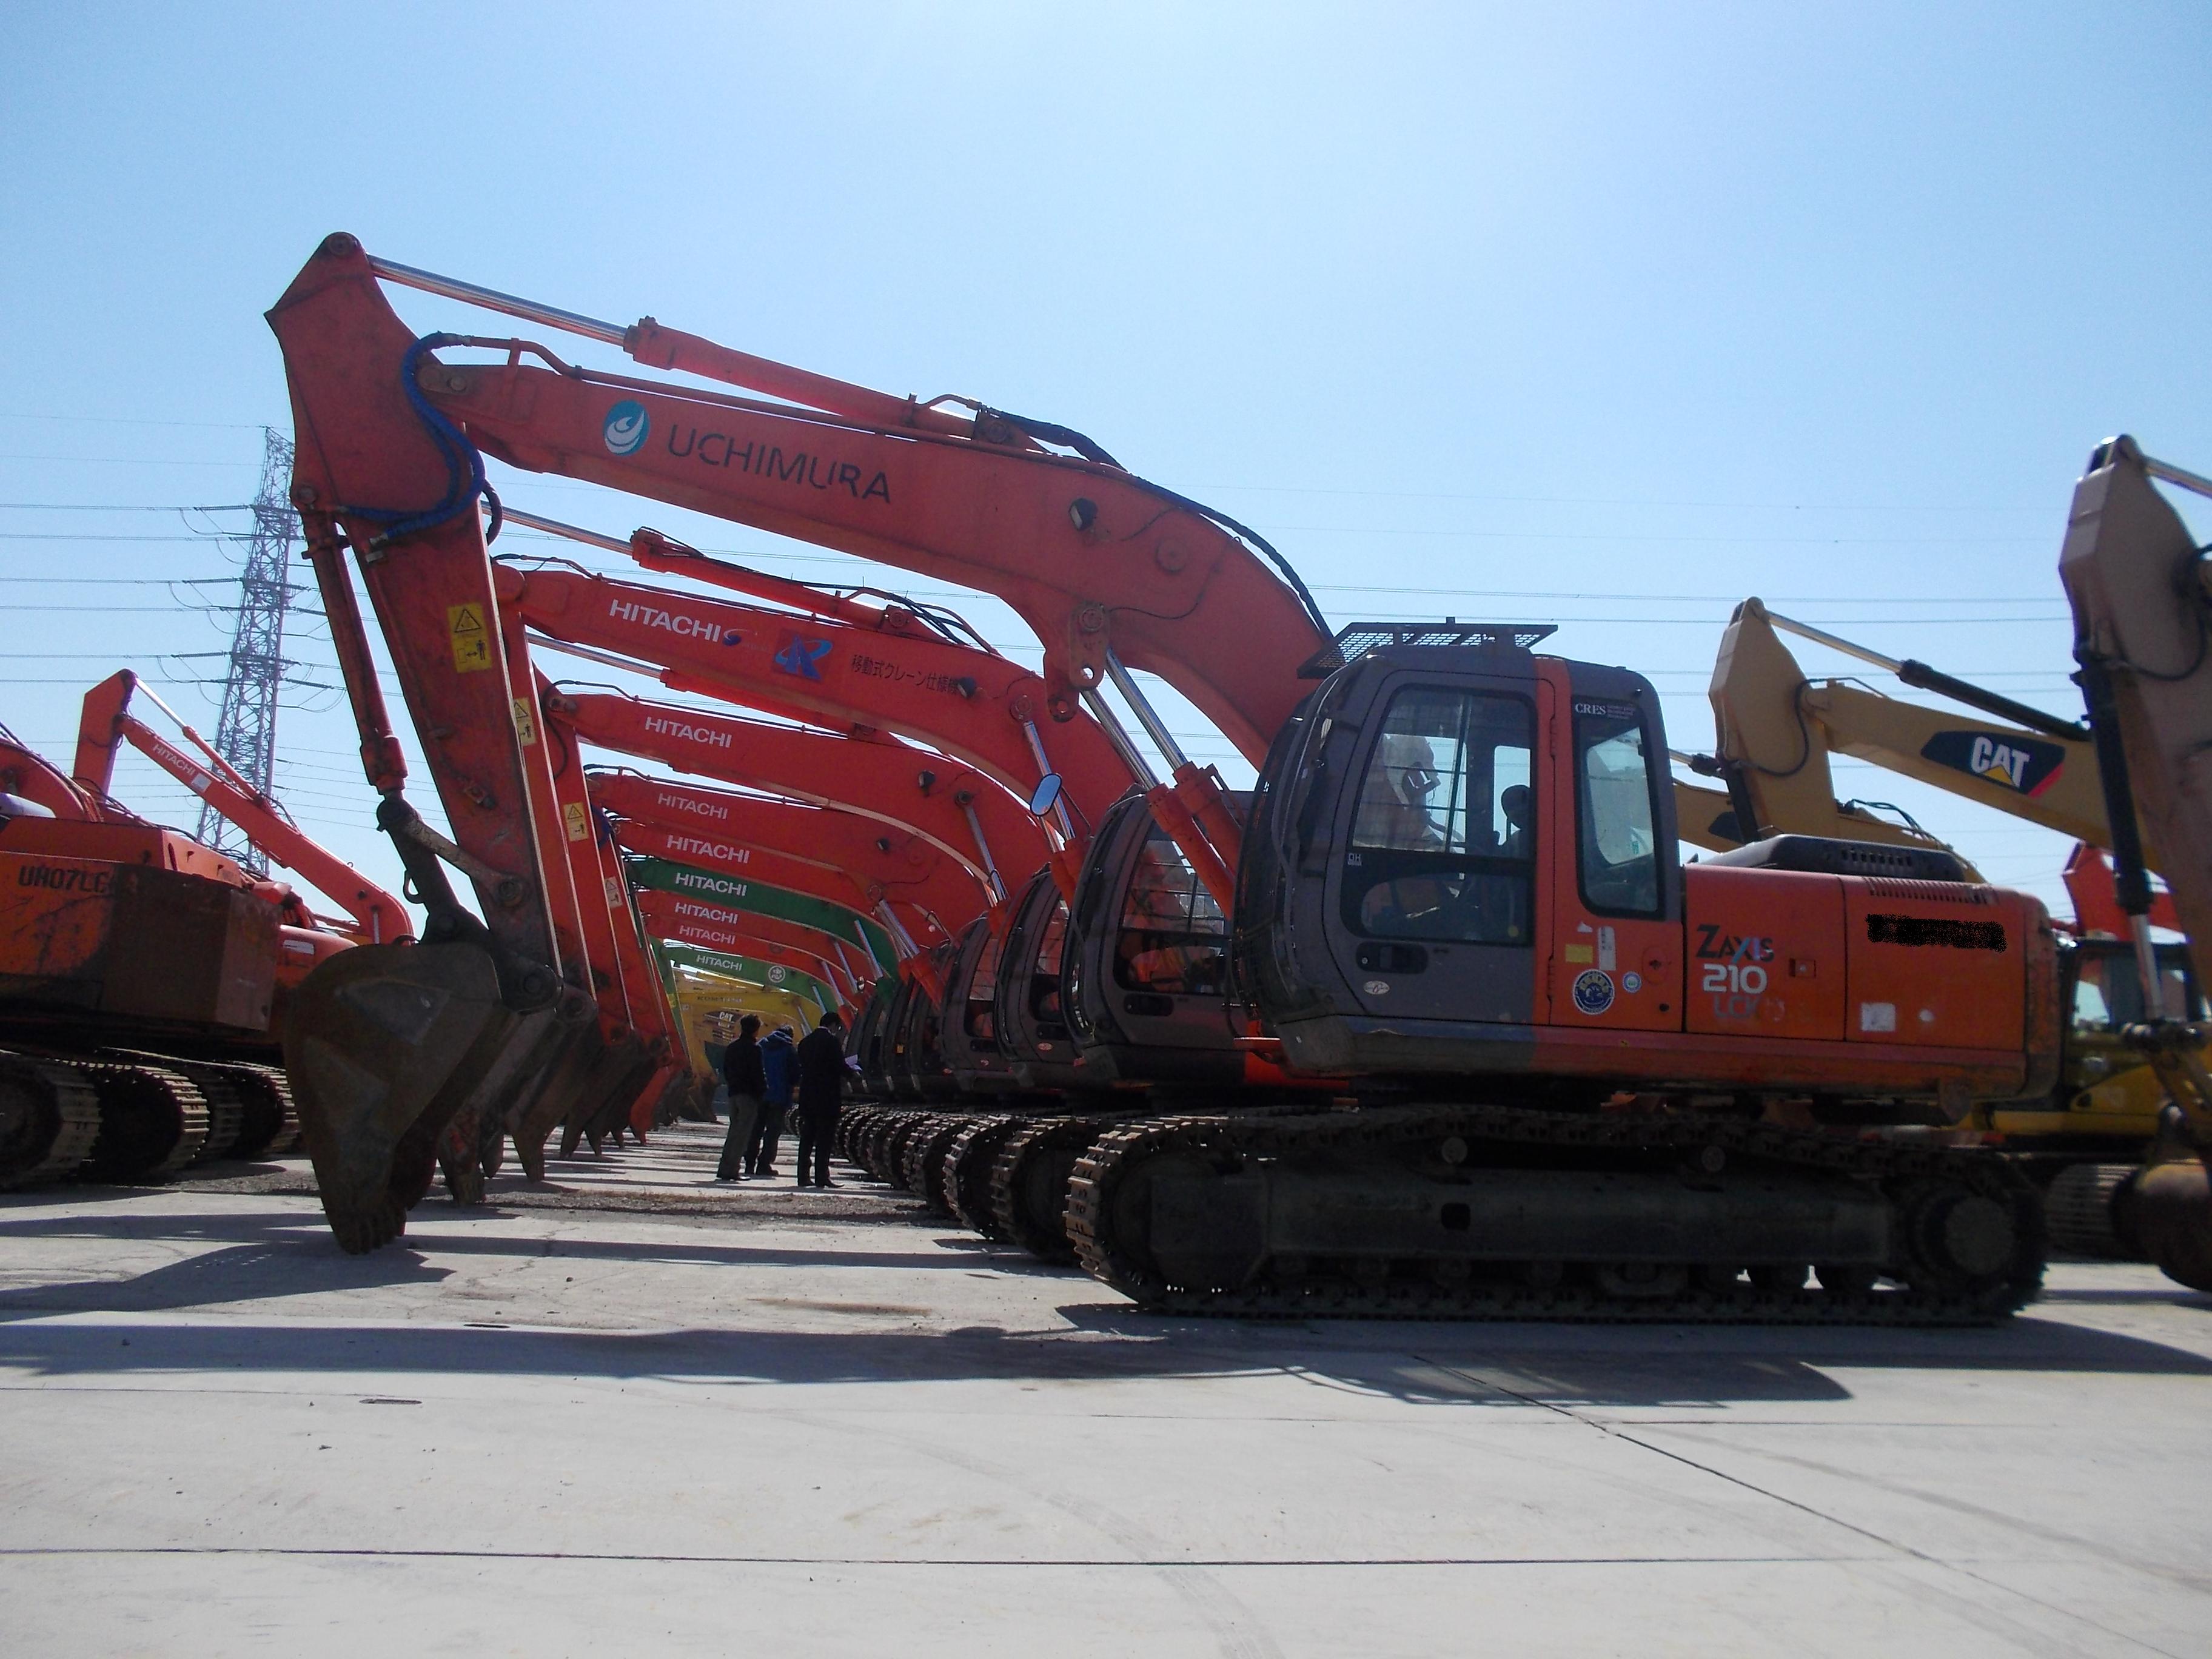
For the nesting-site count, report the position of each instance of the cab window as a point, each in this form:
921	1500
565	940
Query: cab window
1044	975
1442	842
981	1020
2108	994
1172	935
1618	848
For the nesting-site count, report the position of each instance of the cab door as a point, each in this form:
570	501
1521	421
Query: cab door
1614	945
1432	894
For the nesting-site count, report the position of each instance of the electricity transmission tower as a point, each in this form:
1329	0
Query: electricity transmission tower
245	732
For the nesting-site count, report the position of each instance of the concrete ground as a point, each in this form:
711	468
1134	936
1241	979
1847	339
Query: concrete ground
634	1413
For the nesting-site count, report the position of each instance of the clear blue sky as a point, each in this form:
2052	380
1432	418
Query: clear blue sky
1602	315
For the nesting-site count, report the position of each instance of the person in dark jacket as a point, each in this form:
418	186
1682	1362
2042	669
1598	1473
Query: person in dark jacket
741	1071
820	1057
776	1062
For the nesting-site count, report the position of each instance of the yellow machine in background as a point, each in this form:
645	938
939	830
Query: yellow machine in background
709	1007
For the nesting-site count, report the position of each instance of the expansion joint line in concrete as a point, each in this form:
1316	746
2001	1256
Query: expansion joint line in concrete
1895	1546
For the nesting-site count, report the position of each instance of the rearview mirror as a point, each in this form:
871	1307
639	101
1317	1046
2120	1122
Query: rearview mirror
1047	796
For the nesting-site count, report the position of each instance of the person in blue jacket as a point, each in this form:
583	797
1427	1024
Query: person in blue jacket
780	1071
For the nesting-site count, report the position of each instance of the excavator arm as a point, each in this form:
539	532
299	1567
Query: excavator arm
930	894
1111	573
860	666
734	933
2141	592
962	813
1777	728
387	1046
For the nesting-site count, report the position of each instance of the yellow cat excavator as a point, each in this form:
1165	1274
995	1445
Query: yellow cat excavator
2143	620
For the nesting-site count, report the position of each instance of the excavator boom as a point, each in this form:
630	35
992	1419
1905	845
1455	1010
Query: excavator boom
1096	561
378	915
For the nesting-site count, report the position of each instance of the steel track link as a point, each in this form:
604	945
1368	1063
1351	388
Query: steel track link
153	1120
968	1169
1020	1170
49	1119
271	1129
223	1085
925	1151
1907	1174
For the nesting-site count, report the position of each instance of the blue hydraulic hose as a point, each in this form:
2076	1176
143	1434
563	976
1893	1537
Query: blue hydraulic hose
464	471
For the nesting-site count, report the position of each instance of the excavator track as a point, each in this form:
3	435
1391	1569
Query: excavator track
1030	1181
873	1144
220	1086
899	1144
1965	1242
925	1151
968	1169
271	1126
153	1120
49	1119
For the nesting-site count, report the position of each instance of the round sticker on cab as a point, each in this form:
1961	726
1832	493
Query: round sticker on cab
1593	991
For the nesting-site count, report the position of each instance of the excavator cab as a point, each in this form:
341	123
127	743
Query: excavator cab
968	1020
928	1075
1032	1021
902	1033
1411	834
1148	961
868	1038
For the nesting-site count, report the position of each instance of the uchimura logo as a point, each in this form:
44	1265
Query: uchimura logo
627	425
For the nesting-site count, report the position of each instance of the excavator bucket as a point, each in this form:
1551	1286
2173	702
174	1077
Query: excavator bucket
2168	1212
383	1044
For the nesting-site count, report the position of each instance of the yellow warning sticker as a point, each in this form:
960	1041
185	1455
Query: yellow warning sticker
1577	955
580	824
471	642
526	723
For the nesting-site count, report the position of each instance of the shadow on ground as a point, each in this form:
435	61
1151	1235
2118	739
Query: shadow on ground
262	1255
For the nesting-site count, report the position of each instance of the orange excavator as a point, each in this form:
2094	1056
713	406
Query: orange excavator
840	858
863	669
926	803
1585	1081
141	971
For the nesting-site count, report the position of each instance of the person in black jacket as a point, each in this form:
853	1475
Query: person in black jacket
748	1081
820	1057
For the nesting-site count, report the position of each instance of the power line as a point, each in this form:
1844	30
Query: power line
116	460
